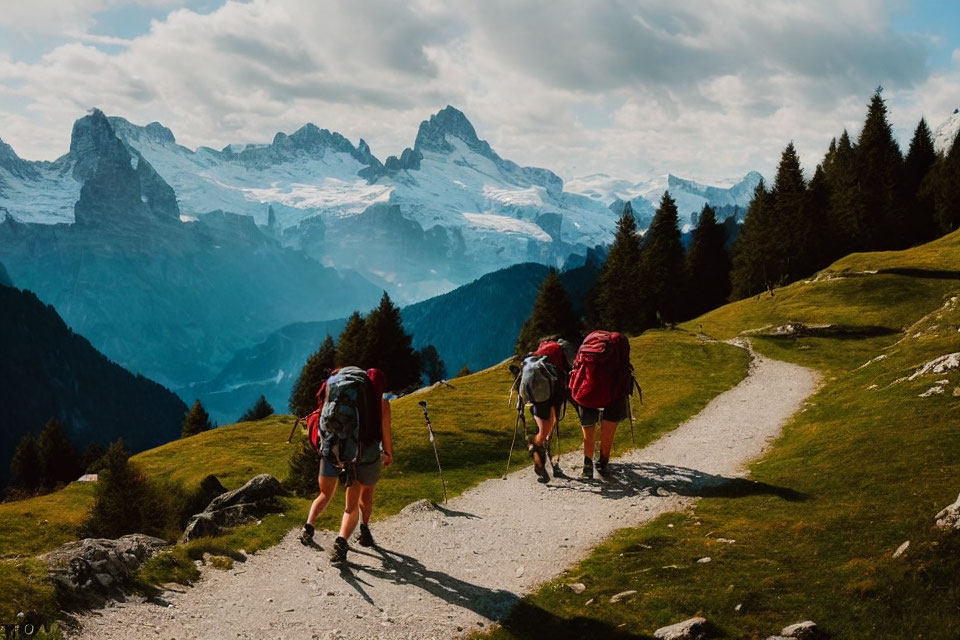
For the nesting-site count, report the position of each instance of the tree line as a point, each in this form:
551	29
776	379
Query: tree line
864	196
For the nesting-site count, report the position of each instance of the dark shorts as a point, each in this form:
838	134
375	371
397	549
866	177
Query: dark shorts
542	409
616	412
368	473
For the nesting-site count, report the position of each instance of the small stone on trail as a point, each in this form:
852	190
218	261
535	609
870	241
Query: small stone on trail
520	572
623	594
901	549
577	587
692	629
704	560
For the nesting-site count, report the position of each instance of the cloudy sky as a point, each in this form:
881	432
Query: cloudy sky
706	90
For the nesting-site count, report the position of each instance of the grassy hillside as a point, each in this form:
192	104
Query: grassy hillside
875	460
473	426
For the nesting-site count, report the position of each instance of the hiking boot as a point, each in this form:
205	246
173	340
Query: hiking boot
365	539
339	553
306	534
587	472
602	465
539	455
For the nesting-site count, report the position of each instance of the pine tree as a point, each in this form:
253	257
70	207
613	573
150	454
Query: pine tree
789	235
663	269
617	298
59	461
196	421
708	264
752	271
351	344
920	224
303	397
433	367
945	187
304	468
879	167
260	410
122	498
822	248
92	456
552	315
387	346
464	371
851	230
25	471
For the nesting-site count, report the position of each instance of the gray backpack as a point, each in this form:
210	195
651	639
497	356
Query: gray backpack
538	379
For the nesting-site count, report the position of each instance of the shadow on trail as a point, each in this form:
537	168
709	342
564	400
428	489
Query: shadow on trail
632	479
450	513
520	617
401	569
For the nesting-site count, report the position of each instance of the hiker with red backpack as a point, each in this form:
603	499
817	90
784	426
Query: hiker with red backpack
601	382
542	383
351	432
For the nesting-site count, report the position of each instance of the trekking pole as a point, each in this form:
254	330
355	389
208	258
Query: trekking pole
630	412
423	405
516	430
295	425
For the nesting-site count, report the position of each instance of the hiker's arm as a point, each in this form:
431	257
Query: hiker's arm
385	433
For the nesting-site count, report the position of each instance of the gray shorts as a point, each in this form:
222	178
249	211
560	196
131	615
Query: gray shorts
616	412
368	473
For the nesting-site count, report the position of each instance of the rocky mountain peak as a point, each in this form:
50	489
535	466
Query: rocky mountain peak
153	132
945	134
92	140
13	163
447	121
118	183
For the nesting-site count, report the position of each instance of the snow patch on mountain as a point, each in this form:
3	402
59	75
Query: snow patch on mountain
945	135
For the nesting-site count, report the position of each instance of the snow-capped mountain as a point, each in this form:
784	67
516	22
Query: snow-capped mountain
946	133
165	298
440	214
689	195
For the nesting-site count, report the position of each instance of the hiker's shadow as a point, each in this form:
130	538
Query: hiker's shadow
631	479
401	569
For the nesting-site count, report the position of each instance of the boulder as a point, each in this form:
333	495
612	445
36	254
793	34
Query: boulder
249	503
692	629
802	631
949	518
88	572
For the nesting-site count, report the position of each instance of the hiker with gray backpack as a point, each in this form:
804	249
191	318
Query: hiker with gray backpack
601	383
541	382
351	432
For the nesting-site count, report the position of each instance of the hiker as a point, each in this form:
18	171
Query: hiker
373	450
601	382
542	383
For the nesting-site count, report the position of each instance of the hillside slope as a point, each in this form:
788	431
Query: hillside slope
876	455
49	371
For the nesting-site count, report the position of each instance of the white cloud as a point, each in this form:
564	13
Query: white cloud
955	58
705	90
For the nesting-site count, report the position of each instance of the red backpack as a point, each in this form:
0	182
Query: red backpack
553	350
602	372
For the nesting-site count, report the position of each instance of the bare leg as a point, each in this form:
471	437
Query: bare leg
608	430
351	510
544	427
328	486
589	439
366	502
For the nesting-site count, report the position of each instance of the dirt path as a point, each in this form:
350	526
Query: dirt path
444	572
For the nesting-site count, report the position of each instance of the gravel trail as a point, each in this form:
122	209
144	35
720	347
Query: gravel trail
441	572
